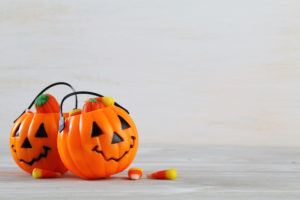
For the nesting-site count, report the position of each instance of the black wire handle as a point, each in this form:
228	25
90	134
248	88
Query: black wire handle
62	119
49	86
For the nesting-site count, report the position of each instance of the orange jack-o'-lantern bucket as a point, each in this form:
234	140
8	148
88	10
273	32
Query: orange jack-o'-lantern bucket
99	141
33	137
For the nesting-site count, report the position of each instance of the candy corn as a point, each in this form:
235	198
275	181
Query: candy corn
108	101
135	173
43	173
165	174
75	112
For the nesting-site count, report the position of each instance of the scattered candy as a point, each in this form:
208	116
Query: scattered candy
43	173
75	112
165	174
108	101
135	173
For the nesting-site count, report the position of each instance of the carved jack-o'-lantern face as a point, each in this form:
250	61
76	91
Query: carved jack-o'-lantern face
114	138
33	142
33	138
99	143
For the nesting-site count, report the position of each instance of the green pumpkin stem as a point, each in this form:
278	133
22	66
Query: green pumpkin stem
41	100
94	100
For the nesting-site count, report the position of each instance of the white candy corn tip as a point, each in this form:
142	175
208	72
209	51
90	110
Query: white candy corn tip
134	176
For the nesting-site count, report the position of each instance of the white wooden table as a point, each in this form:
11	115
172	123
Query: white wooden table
203	173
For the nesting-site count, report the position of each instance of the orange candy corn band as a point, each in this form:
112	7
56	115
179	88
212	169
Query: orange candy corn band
135	173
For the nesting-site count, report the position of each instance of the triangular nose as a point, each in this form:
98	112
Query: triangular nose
26	144
116	138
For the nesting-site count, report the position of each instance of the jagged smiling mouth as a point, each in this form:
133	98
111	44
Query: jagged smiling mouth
115	159
42	155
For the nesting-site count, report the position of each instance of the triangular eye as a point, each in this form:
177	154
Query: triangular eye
96	131
124	124
41	132
17	132
26	144
116	138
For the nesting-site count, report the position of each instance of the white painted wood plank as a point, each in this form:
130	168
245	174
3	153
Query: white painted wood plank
203	173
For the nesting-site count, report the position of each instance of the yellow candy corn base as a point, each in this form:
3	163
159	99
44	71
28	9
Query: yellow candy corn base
108	101
171	174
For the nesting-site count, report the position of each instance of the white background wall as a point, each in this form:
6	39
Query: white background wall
193	72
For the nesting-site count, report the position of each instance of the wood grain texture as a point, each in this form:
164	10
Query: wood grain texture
203	173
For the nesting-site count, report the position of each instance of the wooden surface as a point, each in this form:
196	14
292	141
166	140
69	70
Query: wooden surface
203	173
